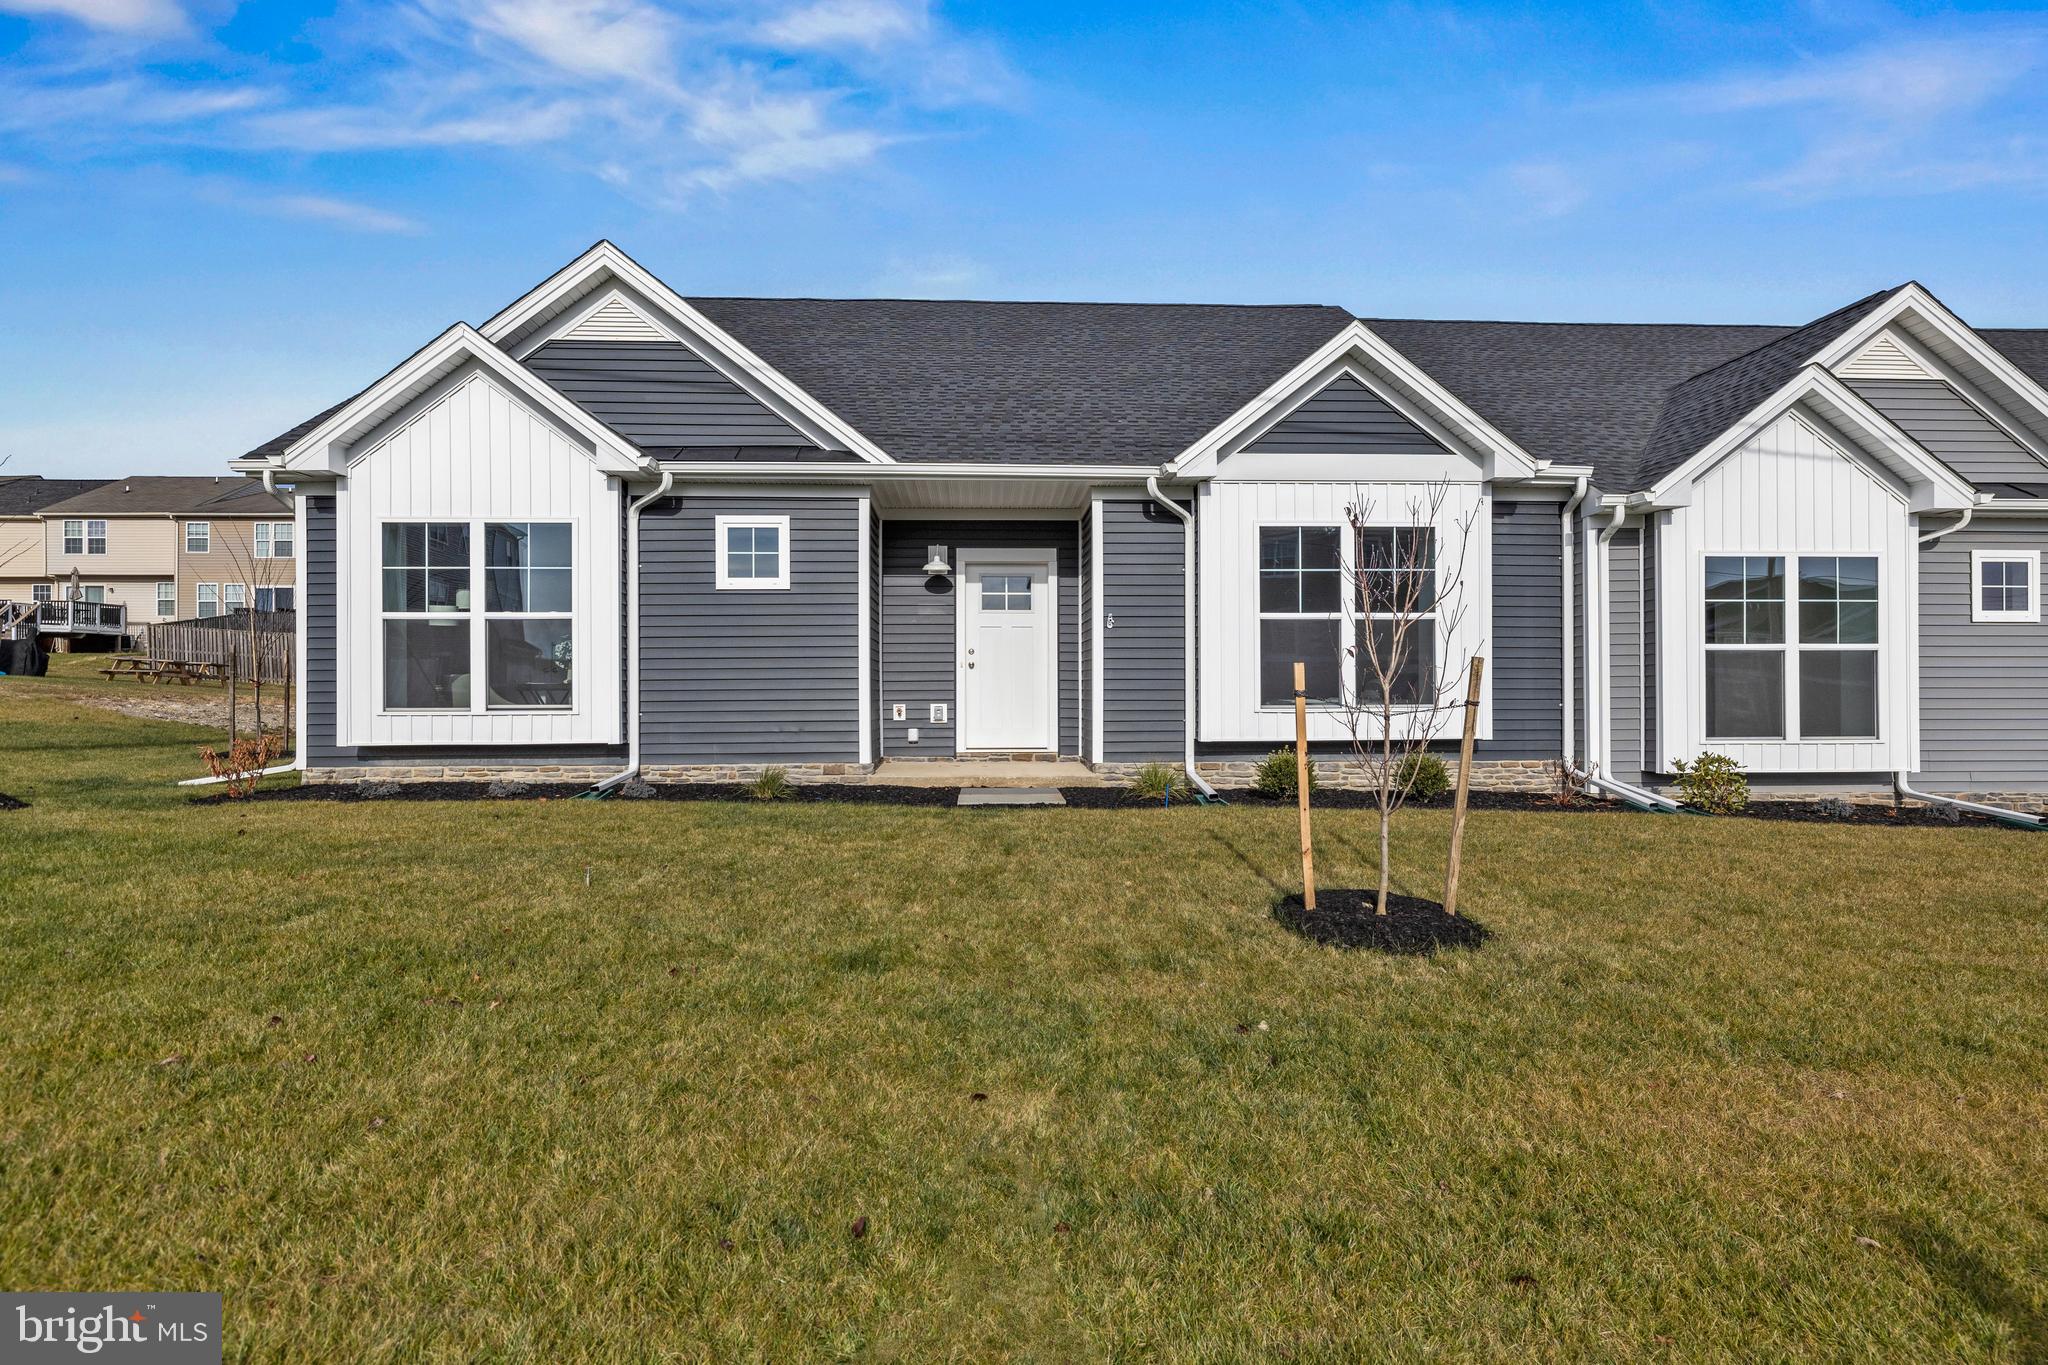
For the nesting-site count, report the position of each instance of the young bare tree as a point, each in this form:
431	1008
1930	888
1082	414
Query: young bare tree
1405	594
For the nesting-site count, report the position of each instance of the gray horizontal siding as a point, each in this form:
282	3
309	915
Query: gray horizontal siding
1345	417
1145	639
1941	419
918	631
317	619
1983	687
1526	641
1652	761
749	676
660	393
1625	654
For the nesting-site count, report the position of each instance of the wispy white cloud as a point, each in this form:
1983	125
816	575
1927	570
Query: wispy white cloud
1547	189
930	277
1897	81
147	17
344	213
686	98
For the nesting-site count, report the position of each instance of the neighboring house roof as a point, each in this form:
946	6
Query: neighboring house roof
1028	383
26	494
161	495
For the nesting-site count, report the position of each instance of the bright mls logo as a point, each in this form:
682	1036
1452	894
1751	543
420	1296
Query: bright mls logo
169	1329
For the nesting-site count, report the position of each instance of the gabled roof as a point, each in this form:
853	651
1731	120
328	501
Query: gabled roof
1028	383
24	495
172	495
1709	403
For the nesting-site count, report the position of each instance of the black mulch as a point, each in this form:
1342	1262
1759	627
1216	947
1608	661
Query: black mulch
1335	799
1411	927
12	802
850	793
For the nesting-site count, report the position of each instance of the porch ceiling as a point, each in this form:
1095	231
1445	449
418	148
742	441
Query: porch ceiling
982	494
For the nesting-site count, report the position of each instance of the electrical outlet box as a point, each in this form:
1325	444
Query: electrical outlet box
911	734
899	712
938	713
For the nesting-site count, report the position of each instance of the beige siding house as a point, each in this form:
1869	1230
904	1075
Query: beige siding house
23	563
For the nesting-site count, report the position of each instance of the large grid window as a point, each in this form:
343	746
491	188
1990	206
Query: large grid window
2005	585
1756	656
529	598
426	625
1300	612
1397	585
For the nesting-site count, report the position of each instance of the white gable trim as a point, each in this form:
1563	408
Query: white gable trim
327	446
606	316
1934	367
1934	486
586	274
1912	309
1357	349
1883	358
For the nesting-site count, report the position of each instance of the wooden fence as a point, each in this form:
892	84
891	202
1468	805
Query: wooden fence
226	640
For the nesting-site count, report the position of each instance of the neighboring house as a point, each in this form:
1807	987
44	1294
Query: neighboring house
169	547
24	572
613	524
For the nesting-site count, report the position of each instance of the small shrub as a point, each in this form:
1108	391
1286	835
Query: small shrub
1834	807
638	791
1423	776
1566	786
241	767
1161	782
506	786
1713	783
771	785
1275	775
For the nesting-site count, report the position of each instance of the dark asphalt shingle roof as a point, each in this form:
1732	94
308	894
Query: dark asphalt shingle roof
26	494
160	494
1030	383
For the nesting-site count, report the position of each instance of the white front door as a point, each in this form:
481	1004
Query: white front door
1007	627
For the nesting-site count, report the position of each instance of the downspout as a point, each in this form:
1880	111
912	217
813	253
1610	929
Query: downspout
1899	785
299	743
1591	773
1571	598
1187	561
632	641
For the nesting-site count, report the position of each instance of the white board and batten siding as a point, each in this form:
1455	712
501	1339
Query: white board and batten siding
1792	489
469	450
1233	509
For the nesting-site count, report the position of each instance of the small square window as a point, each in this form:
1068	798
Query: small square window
753	552
2005	585
39	592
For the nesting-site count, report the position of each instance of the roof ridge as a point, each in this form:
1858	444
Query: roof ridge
1604	326
1789	333
1010	303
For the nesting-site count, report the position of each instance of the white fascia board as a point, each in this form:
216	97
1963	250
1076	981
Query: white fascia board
1936	486
1929	311
1356	339
324	447
714	470
581	275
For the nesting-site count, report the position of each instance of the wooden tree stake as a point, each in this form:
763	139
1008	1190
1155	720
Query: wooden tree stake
1308	858
1464	785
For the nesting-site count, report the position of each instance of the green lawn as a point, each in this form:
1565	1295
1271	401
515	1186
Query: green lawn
570	1080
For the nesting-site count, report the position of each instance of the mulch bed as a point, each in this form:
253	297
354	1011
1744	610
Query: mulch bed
1412	926
12	802
809	794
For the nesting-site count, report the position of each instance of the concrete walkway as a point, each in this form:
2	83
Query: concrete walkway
976	772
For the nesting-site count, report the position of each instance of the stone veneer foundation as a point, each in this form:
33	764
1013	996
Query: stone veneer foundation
1497	775
695	772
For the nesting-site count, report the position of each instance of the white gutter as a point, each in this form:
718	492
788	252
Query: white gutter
1933	536
1571	597
1592	774
632	640
2011	817
1187	560
842	471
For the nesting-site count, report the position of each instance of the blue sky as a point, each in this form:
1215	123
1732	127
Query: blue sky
217	218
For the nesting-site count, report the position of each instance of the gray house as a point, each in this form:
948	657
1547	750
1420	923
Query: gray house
614	528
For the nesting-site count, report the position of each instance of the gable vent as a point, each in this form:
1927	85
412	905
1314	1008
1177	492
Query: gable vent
615	320
1883	358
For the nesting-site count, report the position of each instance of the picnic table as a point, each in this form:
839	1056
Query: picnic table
187	671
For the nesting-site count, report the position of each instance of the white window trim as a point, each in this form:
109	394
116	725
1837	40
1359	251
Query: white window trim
2030	558
89	537
171	598
478	619
1791	648
40	593
1348	613
726	583
205	529
264	537
199	591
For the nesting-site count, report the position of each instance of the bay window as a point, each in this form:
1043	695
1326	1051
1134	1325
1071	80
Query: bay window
1300	612
1797	666
436	640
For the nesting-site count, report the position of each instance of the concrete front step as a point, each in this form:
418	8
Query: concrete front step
983	772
